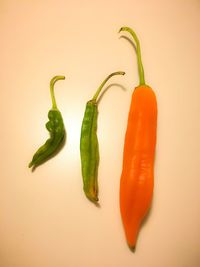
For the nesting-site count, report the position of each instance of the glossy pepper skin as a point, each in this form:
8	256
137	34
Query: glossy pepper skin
56	129
137	178
89	148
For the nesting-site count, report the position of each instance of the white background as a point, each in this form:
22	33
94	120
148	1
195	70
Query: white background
45	219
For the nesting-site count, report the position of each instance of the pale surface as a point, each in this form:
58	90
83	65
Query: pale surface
45	219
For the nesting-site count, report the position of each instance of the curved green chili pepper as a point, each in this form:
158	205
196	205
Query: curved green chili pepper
89	149
56	128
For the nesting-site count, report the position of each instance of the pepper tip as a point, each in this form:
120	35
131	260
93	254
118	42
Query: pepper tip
30	164
132	248
93	198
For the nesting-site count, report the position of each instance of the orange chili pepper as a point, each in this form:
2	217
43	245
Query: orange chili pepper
137	178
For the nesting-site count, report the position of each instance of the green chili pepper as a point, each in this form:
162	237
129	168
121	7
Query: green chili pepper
89	149
56	128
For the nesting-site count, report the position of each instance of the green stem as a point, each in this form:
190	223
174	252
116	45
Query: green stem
52	82
138	51
103	83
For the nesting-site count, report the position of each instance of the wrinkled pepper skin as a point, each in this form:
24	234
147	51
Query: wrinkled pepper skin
56	129
89	148
90	151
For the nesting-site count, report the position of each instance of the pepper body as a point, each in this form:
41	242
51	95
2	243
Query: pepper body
137	178
89	148
56	129
90	151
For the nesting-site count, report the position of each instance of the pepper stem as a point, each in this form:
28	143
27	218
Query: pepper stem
138	51
103	83
52	82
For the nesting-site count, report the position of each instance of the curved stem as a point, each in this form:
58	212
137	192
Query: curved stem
103	83
52	82
139	59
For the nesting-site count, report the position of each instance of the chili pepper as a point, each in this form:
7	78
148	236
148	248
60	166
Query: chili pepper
137	178
89	149
56	128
